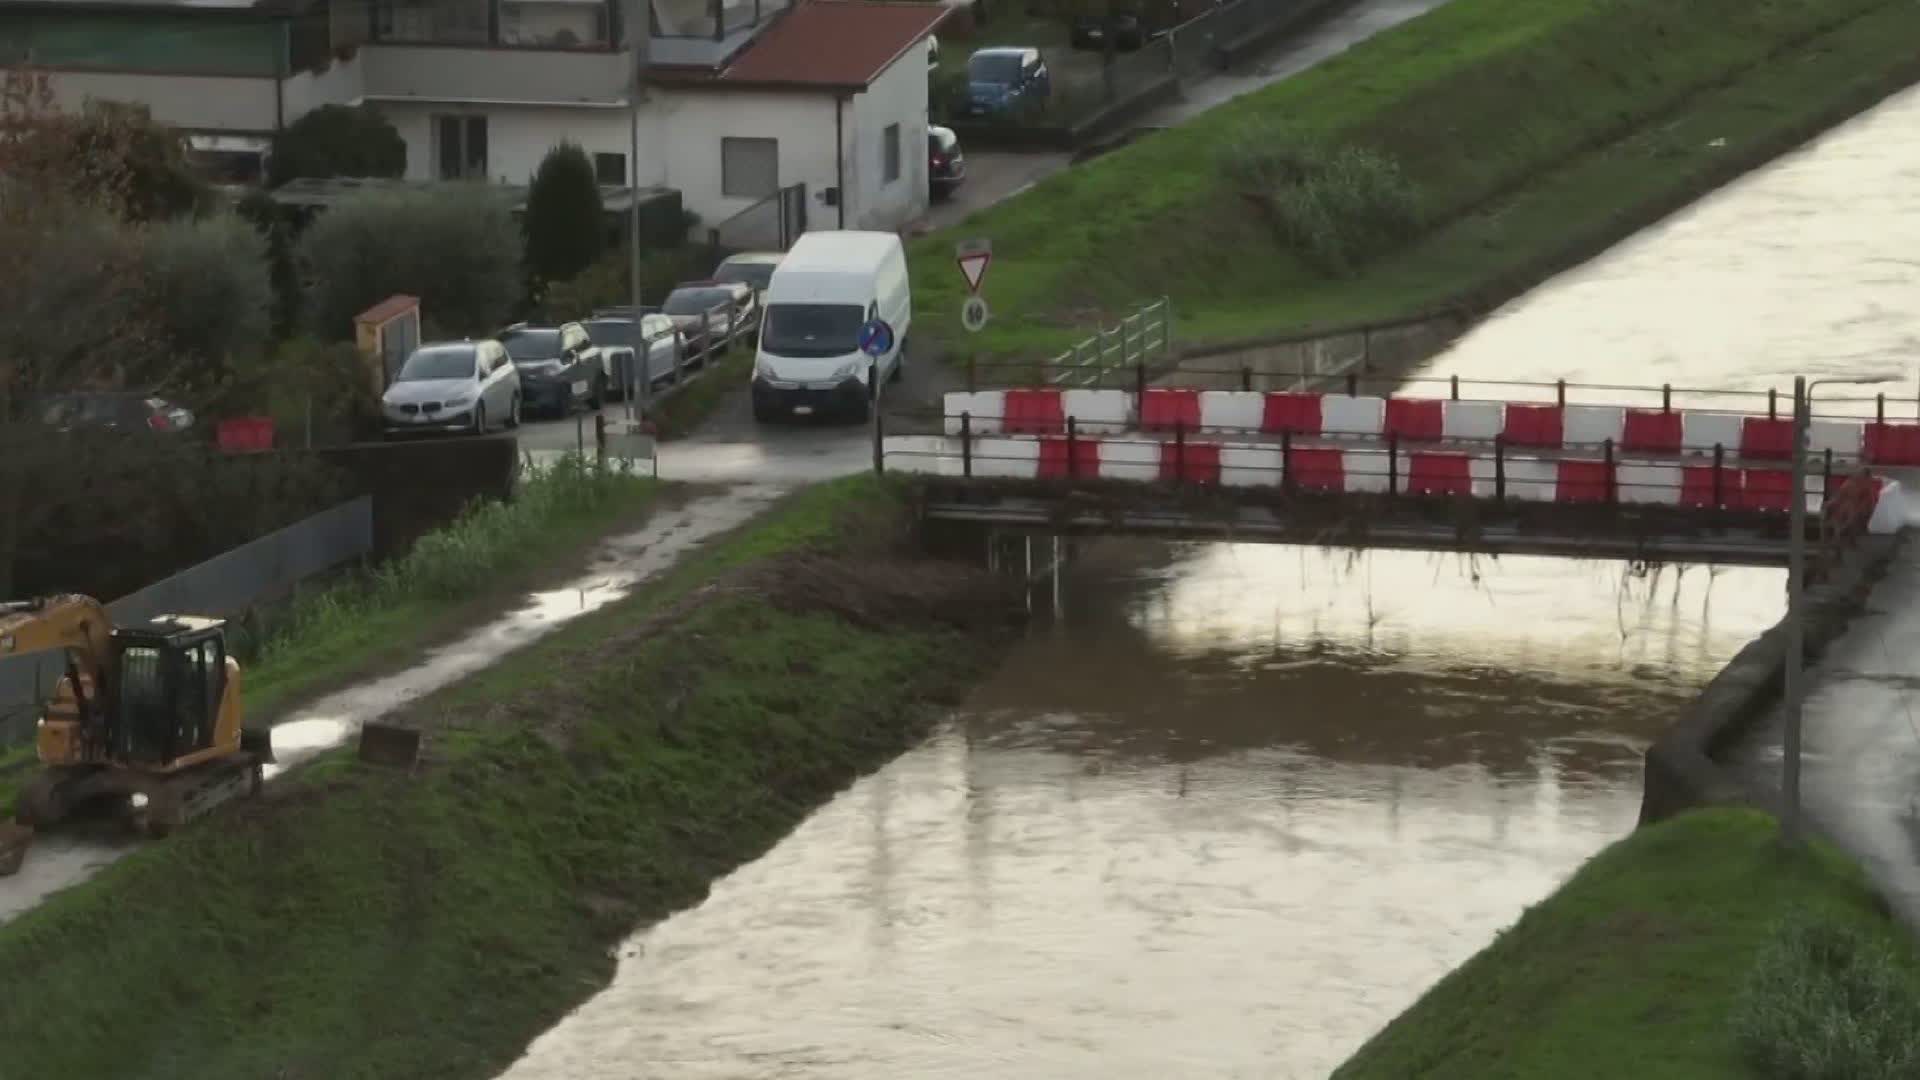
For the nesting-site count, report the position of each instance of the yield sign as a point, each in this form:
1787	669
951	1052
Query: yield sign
973	257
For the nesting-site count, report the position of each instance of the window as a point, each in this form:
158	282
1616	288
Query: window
462	147
749	168
890	154
610	168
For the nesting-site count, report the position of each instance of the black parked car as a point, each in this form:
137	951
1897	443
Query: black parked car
946	165
117	410
558	365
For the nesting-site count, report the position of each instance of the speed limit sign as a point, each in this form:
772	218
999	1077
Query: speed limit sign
973	314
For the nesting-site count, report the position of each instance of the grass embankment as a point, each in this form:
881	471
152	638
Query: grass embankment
1698	949
1531	133
386	617
360	923
681	413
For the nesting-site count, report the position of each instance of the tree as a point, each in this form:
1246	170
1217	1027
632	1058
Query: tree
111	154
206	289
455	246
277	228
337	140
565	222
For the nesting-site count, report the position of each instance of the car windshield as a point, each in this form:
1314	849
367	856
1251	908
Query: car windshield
811	329
756	274
1001	69
696	301
611	332
437	364
524	345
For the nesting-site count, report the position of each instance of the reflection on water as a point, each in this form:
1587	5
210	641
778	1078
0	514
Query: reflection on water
1243	804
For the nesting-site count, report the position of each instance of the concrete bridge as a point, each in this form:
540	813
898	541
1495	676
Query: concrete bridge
1556	477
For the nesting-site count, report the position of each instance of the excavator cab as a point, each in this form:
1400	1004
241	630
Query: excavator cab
168	694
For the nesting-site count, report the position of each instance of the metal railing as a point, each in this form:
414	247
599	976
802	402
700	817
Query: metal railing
772	224
1144	336
720	327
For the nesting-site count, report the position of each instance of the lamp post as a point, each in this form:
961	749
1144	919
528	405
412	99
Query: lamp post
639	34
1792	688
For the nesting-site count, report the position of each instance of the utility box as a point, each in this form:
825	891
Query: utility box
386	334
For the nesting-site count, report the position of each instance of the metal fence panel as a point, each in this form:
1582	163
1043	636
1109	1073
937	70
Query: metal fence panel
772	224
226	584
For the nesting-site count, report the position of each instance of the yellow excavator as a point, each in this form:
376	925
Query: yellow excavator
147	713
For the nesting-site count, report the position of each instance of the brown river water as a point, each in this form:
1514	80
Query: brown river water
1239	805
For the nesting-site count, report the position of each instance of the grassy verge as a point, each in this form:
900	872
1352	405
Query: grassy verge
1655	960
383	619
682	413
1521	126
358	923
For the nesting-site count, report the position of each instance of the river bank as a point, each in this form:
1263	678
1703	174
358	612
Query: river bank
1617	135
355	922
1649	962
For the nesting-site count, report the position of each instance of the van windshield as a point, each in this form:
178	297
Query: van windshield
812	329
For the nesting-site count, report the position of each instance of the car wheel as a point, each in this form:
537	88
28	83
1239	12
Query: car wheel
479	419
513	412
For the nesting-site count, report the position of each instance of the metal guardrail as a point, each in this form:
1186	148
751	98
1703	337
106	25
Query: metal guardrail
1145	335
226	584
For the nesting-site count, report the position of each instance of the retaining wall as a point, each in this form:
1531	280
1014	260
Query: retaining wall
1681	771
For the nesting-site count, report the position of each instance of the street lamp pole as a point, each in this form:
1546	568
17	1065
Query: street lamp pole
1793	689
639	34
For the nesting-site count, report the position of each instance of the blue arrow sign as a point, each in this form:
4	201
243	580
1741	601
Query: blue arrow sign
875	338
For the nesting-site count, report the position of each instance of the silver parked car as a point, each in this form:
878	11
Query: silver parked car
753	268
709	308
619	336
458	386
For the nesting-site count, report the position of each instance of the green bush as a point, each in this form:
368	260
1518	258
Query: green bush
337	140
455	246
1825	1002
1337	207
208	290
565	222
606	282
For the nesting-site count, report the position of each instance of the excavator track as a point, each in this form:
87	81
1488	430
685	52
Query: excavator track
170	801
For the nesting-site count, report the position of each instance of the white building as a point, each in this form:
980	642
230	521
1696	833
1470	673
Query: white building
743	98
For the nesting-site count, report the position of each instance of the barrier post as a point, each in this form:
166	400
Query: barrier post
1880	408
1773	403
1666	397
1453	387
1353	385
1500	468
580	436
1286	461
1393	464
1073	459
600	438
1246	377
1719	459
1179	451
1613	491
1826	474
1560	392
966	445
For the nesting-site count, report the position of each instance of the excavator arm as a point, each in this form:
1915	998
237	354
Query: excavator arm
77	624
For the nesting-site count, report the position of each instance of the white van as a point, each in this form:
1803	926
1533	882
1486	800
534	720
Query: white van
829	285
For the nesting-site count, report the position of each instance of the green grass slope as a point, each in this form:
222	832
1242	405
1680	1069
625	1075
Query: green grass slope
1637	966
1478	102
359	923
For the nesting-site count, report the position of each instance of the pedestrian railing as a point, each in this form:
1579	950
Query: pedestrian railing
1142	338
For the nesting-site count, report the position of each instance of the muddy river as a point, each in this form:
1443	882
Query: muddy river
1239	805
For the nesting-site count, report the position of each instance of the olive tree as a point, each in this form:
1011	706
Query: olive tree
455	246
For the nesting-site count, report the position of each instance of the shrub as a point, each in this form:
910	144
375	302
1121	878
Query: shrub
565	222
111	154
277	228
606	283
305	382
1336	207
455	246
1825	1002
209	296
337	140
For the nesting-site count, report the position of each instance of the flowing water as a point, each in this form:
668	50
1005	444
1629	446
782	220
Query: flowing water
1239	805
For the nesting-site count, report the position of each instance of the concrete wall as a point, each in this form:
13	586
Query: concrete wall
306	91
533	76
1681	772
1287	361
192	102
517	136
898	96
683	129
